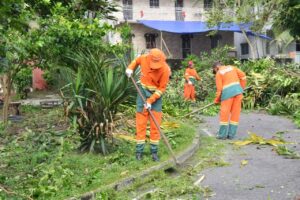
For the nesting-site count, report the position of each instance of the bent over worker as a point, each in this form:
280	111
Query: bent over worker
153	82
230	82
190	76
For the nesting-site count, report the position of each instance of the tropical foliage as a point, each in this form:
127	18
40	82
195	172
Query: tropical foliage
45	31
95	90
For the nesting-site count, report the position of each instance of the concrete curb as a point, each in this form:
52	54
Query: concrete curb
118	185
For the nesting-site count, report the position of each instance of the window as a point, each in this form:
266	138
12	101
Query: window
267	47
298	45
154	3
207	4
127	9
150	40
179	3
215	41
244	48
179	13
186	45
270	34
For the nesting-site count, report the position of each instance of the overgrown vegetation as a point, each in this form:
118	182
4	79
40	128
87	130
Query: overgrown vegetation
274	87
164	185
23	81
96	88
41	161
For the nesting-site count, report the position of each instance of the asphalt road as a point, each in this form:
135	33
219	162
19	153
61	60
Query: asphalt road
267	176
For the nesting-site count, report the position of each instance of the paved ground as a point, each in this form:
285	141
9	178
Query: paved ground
36	101
267	176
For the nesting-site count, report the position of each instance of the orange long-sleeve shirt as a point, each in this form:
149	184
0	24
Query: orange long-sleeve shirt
230	81
154	80
191	75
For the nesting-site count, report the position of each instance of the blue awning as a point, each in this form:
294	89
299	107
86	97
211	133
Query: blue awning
187	27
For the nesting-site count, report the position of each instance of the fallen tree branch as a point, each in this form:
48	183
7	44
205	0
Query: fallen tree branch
10	192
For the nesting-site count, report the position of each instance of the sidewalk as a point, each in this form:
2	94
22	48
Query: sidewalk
267	175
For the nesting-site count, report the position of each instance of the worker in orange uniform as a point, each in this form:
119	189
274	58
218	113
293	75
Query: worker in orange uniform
230	82
190	76
153	82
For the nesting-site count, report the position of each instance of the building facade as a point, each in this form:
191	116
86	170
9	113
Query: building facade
178	46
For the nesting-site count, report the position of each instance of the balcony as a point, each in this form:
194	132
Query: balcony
136	12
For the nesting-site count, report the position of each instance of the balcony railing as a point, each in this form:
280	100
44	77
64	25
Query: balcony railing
138	12
179	14
127	12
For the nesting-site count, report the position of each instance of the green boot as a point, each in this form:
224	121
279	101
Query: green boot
139	151
154	150
222	134
232	131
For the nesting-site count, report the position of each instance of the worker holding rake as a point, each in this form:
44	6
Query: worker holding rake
230	82
153	82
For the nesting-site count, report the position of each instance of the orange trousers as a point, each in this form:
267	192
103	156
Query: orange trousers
230	110
141	126
189	92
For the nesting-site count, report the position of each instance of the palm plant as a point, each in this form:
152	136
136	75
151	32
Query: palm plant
97	86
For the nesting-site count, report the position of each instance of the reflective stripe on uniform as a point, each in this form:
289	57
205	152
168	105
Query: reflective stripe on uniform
154	141
140	141
223	123
149	87
234	123
231	84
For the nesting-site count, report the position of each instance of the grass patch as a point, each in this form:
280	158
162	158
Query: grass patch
40	161
160	185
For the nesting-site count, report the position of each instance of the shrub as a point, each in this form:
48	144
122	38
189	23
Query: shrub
95	90
23	81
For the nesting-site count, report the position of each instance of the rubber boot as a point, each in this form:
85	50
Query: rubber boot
232	131
154	150
139	156
155	157
139	151
222	134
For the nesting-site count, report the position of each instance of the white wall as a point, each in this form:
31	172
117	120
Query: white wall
193	10
259	45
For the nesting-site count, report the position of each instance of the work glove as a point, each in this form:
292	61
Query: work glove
190	83
217	101
147	106
129	72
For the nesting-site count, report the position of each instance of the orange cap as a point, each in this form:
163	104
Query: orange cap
157	59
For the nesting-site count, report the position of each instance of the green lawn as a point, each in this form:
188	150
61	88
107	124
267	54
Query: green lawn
179	185
40	161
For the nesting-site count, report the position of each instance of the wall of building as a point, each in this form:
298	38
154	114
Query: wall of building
192	10
200	42
259	45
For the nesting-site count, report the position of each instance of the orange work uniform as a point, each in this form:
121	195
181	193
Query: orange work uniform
189	89
153	83
230	82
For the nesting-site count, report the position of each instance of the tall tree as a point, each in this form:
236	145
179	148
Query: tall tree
288	18
43	30
258	13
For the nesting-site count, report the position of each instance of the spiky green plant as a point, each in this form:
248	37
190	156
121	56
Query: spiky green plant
97	86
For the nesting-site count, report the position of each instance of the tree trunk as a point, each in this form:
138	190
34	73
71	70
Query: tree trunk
6	84
249	42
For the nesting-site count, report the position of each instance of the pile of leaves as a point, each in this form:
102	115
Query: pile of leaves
277	142
274	87
257	139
